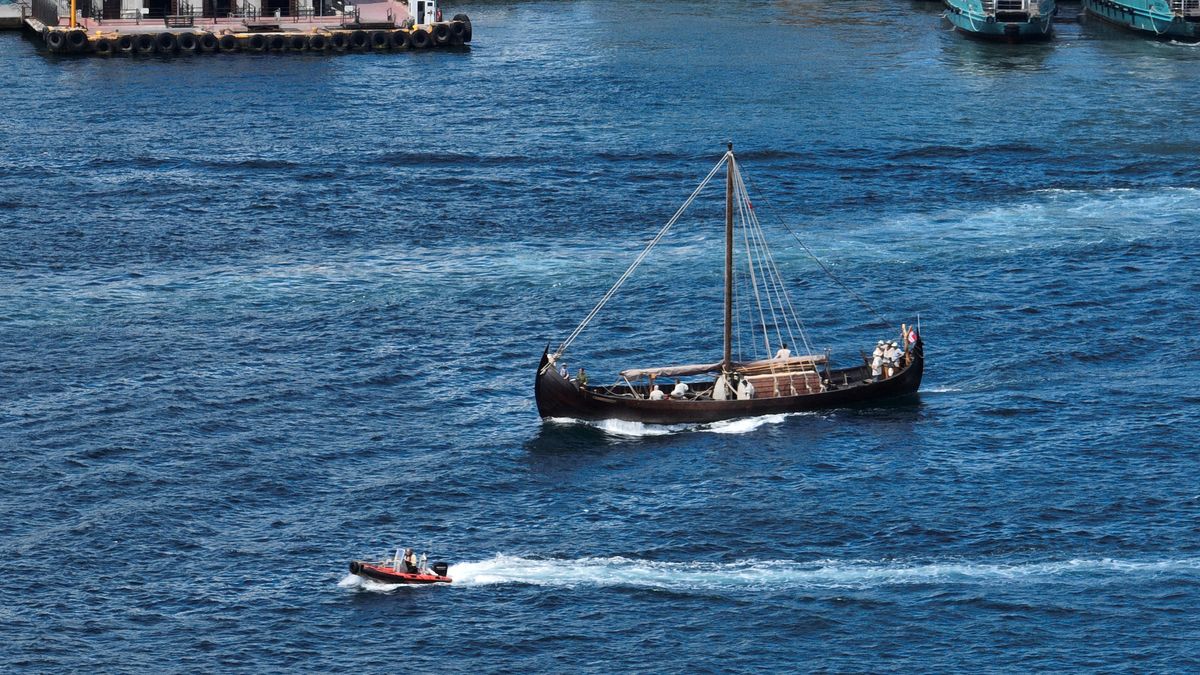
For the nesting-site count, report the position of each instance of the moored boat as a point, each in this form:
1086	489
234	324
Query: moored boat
1007	20
402	570
1166	19
729	388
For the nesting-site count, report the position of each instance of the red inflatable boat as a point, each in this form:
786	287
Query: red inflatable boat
389	572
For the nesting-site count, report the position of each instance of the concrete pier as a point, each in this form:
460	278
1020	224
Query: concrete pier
109	28
12	17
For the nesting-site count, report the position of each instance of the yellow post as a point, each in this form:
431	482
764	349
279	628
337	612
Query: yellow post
72	13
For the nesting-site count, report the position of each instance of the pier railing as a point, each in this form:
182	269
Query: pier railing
994	6
184	16
1012	5
1185	7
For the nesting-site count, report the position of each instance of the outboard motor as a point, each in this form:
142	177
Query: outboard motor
440	568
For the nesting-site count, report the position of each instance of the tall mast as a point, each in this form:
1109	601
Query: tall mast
727	361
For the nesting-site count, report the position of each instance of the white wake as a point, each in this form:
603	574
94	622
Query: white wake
783	574
626	429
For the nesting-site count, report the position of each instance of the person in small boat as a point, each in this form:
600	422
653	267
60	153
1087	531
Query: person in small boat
581	378
410	561
680	390
656	394
784	352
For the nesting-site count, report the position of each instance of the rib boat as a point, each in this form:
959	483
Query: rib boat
1165	19
728	388
1006	20
394	571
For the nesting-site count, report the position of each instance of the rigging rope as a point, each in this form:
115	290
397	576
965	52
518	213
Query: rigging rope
825	269
773	275
641	257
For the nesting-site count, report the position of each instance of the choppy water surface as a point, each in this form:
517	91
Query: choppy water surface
261	315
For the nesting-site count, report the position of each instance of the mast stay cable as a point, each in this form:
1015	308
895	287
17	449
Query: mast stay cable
638	261
870	308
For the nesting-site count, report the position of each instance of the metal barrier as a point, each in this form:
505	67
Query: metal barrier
45	11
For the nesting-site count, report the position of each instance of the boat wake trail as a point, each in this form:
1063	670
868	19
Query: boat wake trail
777	575
640	430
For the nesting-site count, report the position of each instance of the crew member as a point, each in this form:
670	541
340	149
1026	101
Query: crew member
892	358
877	361
784	352
745	390
721	388
656	393
680	390
410	561
581	378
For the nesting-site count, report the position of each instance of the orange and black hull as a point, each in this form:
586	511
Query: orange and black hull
386	574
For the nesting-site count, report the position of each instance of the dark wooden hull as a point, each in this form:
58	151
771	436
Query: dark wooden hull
560	397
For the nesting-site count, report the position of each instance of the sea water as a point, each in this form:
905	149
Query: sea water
262	315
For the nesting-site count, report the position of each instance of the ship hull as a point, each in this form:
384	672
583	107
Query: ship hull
560	397
1147	17
967	16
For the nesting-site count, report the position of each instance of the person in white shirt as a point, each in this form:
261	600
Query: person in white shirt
721	388
892	356
784	352
877	361
680	390
656	393
745	390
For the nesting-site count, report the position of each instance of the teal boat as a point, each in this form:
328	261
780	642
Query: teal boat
1167	19
1007	20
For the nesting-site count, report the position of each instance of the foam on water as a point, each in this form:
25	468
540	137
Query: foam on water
741	425
785	574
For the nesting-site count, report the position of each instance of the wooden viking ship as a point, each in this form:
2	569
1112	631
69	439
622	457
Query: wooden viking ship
728	389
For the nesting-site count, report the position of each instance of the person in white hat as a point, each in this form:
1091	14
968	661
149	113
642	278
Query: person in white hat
891	356
877	361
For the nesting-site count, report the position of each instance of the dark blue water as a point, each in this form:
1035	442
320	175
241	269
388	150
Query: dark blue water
262	315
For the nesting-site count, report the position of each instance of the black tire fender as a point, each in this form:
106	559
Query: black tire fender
187	42
466	20
77	40
166	43
144	44
55	40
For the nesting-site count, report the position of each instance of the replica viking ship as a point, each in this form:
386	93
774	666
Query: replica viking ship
728	389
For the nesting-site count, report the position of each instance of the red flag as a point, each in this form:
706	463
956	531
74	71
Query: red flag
912	335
